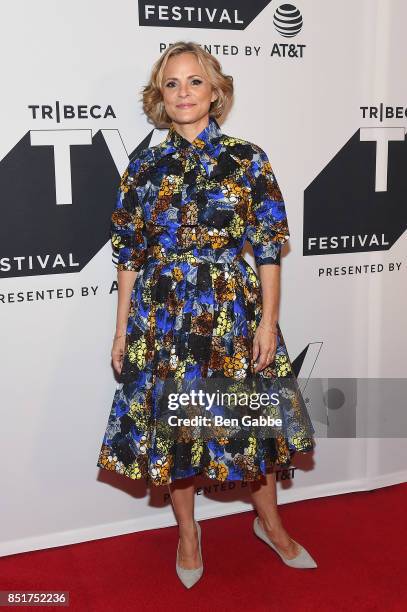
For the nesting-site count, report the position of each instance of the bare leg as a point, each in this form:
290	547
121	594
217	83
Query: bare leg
183	496
264	497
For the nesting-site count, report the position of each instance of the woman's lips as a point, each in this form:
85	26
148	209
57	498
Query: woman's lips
185	105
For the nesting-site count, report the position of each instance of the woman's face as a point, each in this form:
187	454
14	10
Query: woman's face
187	91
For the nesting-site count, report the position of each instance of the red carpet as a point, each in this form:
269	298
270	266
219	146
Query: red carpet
358	540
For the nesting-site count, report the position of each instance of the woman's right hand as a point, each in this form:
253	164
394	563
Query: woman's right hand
119	343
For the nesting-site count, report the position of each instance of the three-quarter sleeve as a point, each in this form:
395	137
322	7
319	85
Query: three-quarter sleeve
127	229
267	220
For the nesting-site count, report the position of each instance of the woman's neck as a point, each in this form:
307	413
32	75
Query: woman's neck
191	130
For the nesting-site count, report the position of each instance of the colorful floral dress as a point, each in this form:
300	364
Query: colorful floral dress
183	214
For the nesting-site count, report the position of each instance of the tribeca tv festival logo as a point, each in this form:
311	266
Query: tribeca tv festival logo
358	202
59	189
219	14
222	14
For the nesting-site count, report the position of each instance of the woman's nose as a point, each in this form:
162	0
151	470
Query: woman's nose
183	90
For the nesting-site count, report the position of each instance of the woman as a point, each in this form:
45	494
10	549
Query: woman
192	310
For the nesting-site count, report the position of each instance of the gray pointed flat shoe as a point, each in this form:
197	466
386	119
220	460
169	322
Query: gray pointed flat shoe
302	560
189	577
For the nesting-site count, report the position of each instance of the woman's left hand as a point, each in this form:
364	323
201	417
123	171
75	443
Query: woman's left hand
264	345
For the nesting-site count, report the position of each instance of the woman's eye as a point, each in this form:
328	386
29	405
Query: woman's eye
173	83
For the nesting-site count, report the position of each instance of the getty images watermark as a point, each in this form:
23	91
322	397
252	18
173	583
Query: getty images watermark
220	408
210	402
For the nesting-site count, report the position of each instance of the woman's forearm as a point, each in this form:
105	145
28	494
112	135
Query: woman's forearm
270	286
125	283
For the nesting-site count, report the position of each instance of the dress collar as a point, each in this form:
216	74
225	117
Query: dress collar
207	141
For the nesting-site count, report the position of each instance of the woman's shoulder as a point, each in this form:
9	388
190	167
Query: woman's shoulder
147	157
142	158
249	155
243	149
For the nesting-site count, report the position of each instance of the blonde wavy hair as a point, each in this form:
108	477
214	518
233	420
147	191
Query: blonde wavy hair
152	99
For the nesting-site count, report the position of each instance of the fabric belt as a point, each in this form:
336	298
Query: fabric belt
194	256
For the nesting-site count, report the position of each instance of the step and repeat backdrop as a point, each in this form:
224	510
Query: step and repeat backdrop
319	87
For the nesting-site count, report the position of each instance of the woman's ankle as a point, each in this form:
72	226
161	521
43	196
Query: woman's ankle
271	523
187	528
